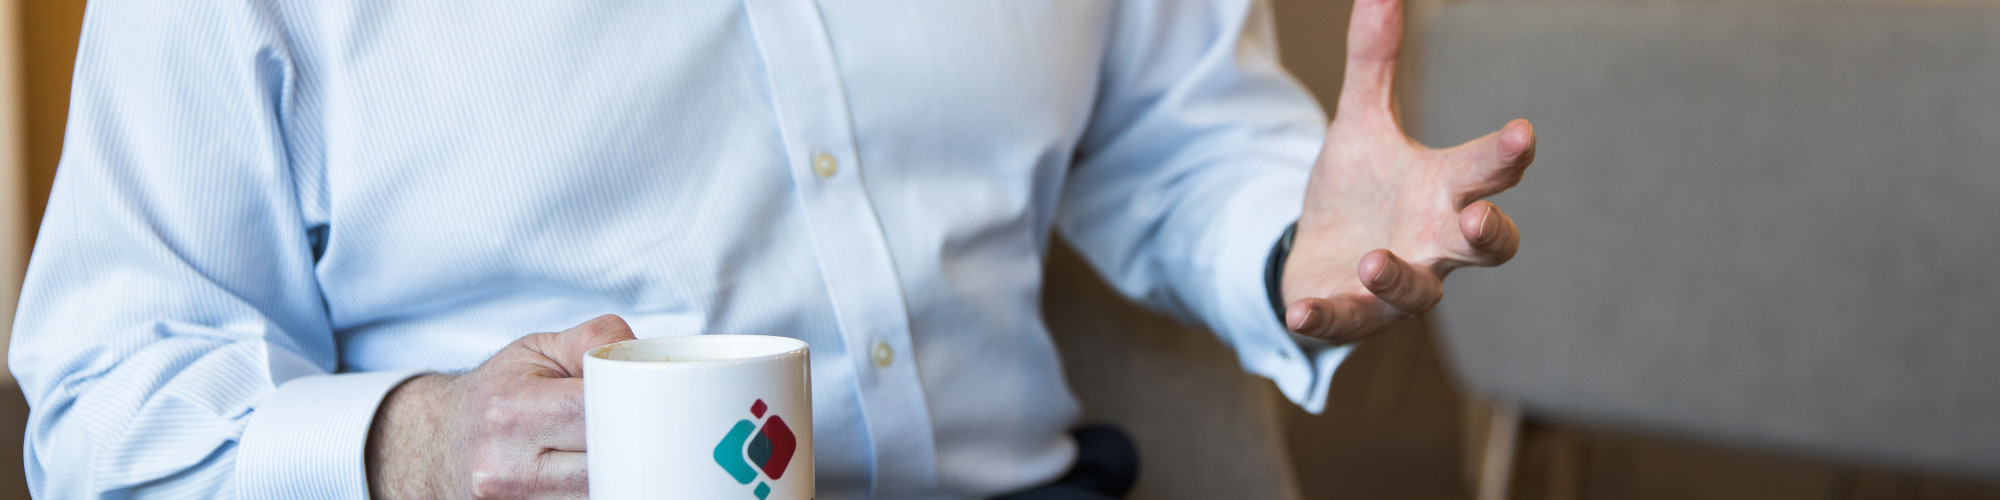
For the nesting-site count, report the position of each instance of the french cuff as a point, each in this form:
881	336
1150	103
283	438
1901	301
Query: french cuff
1302	366
310	438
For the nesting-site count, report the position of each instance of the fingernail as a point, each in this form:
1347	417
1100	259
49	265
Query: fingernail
1305	319
1489	226
1388	273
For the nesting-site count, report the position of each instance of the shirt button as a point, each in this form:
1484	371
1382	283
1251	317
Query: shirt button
883	355
825	165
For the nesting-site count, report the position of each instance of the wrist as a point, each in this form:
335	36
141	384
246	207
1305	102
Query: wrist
1274	271
413	439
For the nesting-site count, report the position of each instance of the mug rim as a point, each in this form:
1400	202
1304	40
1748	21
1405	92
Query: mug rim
789	346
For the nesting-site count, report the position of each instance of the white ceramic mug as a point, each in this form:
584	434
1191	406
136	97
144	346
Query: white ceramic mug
704	417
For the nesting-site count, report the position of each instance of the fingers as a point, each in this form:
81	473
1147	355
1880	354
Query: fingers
1490	232
572	343
513	427
547	474
522	414
1517	145
1497	161
1398	290
538	397
534	410
554	418
1374	38
564	475
1342	318
1409	290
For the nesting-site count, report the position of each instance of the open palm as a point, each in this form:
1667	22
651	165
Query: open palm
1386	218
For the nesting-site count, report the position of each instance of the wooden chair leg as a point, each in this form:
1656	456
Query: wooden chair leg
1492	434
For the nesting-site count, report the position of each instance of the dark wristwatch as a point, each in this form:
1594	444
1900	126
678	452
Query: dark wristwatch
1274	271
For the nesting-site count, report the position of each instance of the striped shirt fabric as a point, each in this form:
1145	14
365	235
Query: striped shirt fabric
270	212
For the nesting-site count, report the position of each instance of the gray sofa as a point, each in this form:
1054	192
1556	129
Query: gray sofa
1770	225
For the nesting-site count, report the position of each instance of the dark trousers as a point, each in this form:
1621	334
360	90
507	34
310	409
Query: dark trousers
1107	464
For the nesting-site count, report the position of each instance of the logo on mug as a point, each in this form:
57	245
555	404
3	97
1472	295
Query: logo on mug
767	446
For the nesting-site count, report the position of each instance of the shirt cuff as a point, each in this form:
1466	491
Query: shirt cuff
310	438
1301	366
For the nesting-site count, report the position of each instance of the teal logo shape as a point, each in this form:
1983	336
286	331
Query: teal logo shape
751	449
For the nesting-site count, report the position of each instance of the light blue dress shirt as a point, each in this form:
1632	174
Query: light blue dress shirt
270	212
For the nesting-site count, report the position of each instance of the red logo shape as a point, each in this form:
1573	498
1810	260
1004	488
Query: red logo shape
783	444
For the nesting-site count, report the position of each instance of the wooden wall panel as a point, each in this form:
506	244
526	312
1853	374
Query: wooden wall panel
14	235
48	35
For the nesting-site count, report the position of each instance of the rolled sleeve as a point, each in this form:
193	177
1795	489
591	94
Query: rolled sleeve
310	438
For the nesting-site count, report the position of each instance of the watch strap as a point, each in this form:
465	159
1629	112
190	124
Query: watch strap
1274	271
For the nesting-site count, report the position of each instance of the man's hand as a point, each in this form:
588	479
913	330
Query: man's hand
512	428
1387	218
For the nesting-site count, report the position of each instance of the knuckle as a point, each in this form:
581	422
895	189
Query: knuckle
498	418
1344	328
1520	157
603	322
490	479
1503	248
606	325
568	409
586	328
535	340
574	480
503	414
593	325
1428	304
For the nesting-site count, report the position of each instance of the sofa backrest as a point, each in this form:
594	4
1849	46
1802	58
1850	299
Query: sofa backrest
1767	223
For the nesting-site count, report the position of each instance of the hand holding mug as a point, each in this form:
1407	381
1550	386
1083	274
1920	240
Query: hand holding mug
512	428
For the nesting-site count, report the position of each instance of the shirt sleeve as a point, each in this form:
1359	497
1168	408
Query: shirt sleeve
1195	161
171	301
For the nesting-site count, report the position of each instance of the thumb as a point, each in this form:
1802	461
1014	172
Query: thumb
569	345
1374	38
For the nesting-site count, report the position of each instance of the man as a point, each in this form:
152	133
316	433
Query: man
283	230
